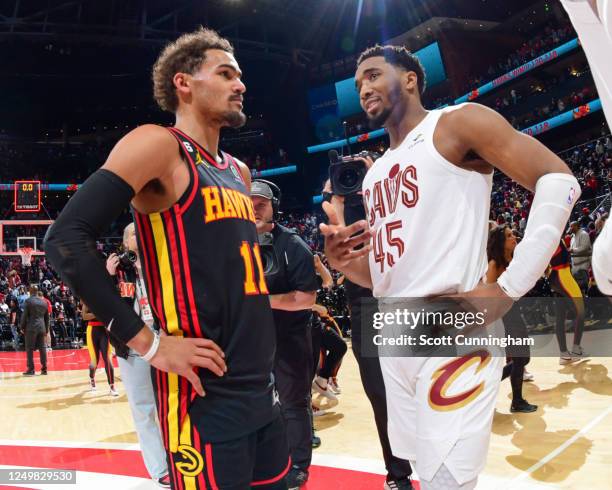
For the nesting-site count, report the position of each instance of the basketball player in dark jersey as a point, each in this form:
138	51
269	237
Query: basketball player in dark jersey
203	272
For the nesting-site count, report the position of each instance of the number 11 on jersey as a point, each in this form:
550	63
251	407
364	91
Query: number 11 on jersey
249	253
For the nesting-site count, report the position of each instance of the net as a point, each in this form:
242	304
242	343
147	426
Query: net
26	256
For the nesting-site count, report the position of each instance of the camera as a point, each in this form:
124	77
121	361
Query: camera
346	173
127	258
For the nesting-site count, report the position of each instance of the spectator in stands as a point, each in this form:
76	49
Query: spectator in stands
580	249
70	310
585	218
560	105
514	96
22	296
14	317
13	280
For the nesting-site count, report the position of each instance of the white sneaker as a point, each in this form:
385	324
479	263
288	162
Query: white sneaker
568	358
318	412
92	385
326	392
113	392
527	376
332	384
578	352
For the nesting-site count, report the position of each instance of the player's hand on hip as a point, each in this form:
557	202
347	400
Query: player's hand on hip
181	355
490	299
340	240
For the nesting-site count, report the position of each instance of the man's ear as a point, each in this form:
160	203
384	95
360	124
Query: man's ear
411	81
181	82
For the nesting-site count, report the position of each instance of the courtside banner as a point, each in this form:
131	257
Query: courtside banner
450	326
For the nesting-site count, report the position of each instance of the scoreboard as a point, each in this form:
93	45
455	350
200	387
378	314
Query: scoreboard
27	196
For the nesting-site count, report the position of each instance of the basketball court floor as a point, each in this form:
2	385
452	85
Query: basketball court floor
56	422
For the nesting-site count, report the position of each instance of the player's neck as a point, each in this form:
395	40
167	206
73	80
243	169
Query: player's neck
196	127
405	123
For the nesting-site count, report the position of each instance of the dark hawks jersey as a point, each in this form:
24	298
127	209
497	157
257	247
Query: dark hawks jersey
204	276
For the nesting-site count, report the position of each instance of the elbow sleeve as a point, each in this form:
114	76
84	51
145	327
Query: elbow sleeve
554	199
70	245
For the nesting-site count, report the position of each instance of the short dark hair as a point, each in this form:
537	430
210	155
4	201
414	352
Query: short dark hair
397	56
186	55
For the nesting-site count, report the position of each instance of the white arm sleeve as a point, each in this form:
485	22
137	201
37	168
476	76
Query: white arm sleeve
602	259
553	201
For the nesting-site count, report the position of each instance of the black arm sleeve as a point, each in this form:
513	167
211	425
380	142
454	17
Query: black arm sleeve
70	245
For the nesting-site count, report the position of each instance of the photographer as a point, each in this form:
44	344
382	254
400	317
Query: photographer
136	372
292	284
398	470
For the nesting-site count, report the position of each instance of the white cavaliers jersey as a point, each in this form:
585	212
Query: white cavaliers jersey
429	218
595	35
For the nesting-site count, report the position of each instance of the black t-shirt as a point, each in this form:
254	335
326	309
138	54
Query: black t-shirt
296	273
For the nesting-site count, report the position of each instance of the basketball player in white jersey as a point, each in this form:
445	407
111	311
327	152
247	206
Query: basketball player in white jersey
427	201
592	20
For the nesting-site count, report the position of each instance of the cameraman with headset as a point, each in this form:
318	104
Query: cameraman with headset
292	284
136	372
346	176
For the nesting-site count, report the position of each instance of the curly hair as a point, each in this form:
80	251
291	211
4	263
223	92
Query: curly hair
184	55
397	56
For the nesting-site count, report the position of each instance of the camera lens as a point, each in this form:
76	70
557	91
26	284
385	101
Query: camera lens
348	178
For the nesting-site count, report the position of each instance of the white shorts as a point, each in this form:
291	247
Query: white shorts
440	410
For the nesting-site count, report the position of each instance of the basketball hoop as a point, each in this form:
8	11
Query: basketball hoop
26	256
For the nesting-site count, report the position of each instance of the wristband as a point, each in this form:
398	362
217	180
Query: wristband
153	349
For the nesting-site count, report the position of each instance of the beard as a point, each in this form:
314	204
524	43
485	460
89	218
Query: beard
377	121
234	119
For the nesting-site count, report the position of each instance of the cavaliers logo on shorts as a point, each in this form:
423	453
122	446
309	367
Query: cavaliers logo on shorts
444	377
192	464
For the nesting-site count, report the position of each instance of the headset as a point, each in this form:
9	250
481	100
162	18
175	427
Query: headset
276	198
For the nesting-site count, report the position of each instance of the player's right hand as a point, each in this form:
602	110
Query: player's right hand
182	355
339	239
112	263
